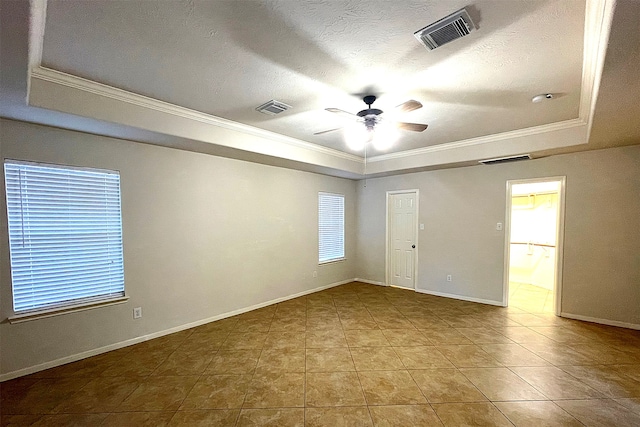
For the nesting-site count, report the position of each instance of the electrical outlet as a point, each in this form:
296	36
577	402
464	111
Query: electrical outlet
137	312
448	277
499	226
315	274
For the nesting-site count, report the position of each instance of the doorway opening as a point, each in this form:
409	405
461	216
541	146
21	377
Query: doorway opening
402	238
534	234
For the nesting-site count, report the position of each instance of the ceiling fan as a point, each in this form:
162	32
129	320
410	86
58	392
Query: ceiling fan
358	136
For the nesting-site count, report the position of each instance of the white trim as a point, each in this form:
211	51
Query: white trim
519	133
387	263
43	314
460	297
601	321
37	21
370	282
132	341
597	27
562	180
85	85
507	244
331	261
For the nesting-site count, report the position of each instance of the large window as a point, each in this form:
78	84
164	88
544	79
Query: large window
330	227
65	236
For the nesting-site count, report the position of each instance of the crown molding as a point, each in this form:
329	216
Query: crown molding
597	27
519	133
598	19
37	21
90	86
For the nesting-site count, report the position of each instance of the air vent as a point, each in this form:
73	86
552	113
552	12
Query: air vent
273	107
506	159
447	29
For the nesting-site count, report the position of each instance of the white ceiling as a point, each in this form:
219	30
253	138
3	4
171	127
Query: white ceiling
225	58
189	74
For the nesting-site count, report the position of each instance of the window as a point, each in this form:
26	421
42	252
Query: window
330	227
65	236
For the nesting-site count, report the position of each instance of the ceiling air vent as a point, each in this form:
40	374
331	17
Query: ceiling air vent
449	28
273	107
505	159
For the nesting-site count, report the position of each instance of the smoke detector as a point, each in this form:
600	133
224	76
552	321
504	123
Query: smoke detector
273	107
447	29
542	97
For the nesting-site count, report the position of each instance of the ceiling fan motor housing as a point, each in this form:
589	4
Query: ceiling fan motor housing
370	114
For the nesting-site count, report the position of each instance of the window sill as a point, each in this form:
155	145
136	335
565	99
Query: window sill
331	261
26	317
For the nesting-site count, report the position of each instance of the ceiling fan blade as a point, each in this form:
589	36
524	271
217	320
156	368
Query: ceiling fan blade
410	105
326	131
414	127
342	113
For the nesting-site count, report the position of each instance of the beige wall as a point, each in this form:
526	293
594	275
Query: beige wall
460	209
203	236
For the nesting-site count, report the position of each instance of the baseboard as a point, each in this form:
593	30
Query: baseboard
601	321
371	282
460	297
89	353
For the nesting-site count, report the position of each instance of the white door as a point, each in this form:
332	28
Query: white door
402	234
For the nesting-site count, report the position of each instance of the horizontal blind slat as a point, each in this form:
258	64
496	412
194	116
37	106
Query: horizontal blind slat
330	227
65	234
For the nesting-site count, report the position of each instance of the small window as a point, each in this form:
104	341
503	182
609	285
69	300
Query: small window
330	227
65	236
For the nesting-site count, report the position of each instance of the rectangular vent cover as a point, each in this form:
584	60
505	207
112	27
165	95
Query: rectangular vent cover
273	107
447	29
506	159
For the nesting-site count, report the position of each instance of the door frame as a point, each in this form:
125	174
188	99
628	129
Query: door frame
559	238
388	235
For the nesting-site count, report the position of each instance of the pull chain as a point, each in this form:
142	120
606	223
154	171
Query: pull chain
365	165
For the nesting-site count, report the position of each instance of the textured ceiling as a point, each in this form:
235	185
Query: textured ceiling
227	57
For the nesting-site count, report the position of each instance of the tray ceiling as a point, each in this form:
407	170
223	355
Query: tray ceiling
225	58
189	75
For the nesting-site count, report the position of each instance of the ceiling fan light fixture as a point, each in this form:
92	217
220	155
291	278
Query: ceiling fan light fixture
370	128
385	136
357	136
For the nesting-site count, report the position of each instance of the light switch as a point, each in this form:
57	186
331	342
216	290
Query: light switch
421	226
499	226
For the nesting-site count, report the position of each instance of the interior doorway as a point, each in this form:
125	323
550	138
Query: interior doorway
533	240
402	238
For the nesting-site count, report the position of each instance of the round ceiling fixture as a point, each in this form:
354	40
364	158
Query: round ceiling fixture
542	97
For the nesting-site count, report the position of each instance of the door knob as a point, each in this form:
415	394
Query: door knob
413	246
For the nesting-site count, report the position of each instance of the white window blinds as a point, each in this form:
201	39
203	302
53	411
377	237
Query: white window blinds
330	227
65	235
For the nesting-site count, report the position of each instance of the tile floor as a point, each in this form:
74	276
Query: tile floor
354	355
533	299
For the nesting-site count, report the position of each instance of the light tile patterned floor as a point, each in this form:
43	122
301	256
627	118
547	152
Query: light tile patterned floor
354	355
533	299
